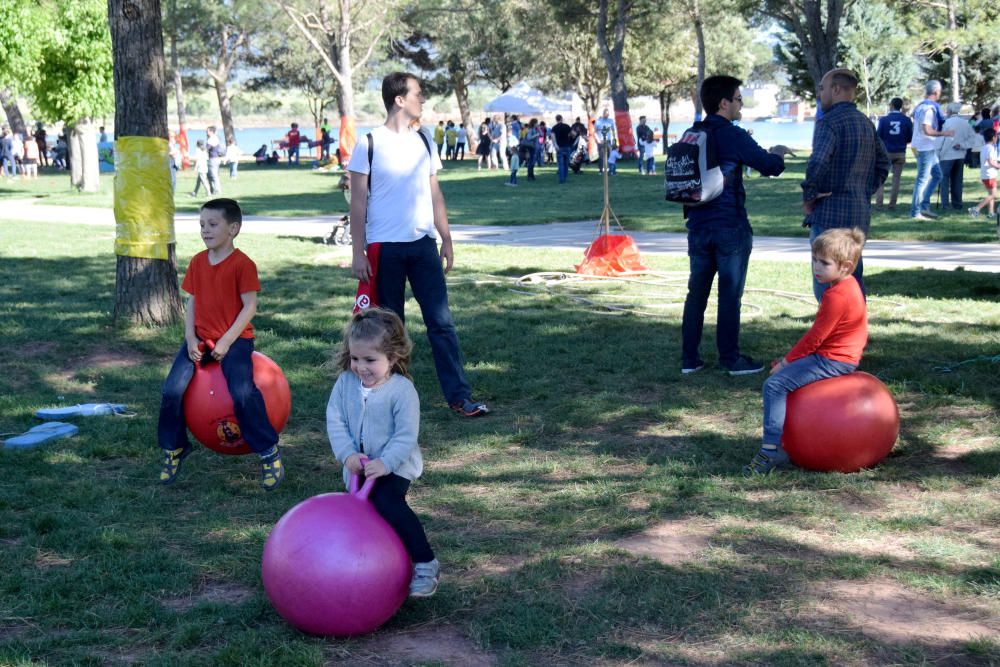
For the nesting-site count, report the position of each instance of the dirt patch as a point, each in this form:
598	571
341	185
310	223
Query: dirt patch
36	348
437	644
889	612
213	592
47	559
669	542
104	359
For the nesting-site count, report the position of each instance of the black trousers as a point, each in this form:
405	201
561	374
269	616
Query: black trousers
389	499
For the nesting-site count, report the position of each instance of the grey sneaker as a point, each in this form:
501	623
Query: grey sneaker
928	213
765	461
425	579
974	212
687	368
744	366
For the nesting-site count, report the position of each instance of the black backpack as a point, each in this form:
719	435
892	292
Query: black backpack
691	172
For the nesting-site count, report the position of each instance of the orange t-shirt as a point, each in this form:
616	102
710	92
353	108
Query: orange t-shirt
841	327
216	291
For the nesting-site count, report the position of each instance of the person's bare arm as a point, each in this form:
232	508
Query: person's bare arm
360	267
441	224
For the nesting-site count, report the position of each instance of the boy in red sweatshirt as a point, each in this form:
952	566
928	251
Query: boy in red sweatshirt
832	347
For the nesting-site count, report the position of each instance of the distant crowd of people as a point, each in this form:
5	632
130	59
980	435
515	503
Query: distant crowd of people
944	143
21	153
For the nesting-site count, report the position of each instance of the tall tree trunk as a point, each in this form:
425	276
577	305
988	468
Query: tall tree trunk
616	70
956	93
145	289
84	164
175	65
461	87
14	118
666	98
699	33
225	110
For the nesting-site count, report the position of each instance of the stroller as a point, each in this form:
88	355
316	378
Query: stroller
579	156
341	232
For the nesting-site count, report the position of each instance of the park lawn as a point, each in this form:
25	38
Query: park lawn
480	198
597	517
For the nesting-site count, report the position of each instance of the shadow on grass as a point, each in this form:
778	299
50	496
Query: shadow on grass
934	284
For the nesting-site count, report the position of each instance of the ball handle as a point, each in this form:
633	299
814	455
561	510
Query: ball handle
355	482
206	345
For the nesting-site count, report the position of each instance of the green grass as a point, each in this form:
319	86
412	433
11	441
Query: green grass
595	437
479	197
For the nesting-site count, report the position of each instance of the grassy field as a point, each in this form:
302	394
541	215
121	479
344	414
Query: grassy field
598	517
479	197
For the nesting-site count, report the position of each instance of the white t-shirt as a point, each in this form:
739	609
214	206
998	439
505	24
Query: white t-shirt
399	204
924	115
986	153
462	135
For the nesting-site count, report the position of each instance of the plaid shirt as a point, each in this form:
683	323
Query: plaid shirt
848	161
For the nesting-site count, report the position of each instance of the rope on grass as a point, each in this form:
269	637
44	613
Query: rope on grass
586	289
995	359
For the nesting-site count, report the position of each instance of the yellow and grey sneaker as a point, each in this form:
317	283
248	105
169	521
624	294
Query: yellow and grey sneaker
172	459
272	472
425	579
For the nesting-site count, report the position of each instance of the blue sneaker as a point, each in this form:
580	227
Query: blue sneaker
425	579
764	461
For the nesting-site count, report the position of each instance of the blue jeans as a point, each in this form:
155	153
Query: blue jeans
726	252
797	374
562	162
214	185
233	166
293	154
420	263
818	287
248	402
530	150
928	175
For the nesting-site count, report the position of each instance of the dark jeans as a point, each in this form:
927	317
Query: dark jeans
530	152
389	499
952	172
563	155
420	263
725	252
248	402
820	288
459	148
214	184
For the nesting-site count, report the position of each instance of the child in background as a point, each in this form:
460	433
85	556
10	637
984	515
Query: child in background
29	163
648	150
451	139
200	167
223	285
515	164
990	163
374	414
832	347
613	156
232	158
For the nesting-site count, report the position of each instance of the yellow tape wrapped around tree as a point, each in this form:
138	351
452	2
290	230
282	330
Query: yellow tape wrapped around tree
144	198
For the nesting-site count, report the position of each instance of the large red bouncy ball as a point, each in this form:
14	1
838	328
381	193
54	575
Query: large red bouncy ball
208	407
841	424
333	566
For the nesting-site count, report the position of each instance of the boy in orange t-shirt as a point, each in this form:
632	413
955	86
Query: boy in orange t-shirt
831	347
223	285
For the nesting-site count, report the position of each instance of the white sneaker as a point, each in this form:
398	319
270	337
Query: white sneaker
920	216
425	579
974	212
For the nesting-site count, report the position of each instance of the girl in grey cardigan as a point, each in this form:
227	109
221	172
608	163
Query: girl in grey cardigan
374	414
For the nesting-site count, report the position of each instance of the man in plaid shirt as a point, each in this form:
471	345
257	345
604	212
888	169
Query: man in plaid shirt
848	164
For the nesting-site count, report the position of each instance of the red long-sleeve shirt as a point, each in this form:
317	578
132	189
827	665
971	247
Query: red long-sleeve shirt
841	327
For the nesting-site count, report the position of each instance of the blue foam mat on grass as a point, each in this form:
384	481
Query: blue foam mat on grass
81	410
40	434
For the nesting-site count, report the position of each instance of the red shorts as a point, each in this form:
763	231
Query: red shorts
990	183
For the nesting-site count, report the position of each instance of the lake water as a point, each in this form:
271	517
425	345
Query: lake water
793	135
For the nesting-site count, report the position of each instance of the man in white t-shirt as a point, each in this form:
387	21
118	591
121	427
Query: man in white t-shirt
927	127
397	203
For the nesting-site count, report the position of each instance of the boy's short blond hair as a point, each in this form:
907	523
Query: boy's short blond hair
841	245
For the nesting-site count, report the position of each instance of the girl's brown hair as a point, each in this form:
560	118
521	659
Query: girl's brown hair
385	330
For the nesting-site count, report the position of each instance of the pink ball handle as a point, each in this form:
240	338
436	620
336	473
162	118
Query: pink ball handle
366	489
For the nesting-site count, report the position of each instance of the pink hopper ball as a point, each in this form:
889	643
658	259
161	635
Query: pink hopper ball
333	566
841	424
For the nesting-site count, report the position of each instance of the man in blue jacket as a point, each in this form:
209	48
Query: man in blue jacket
719	234
895	129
